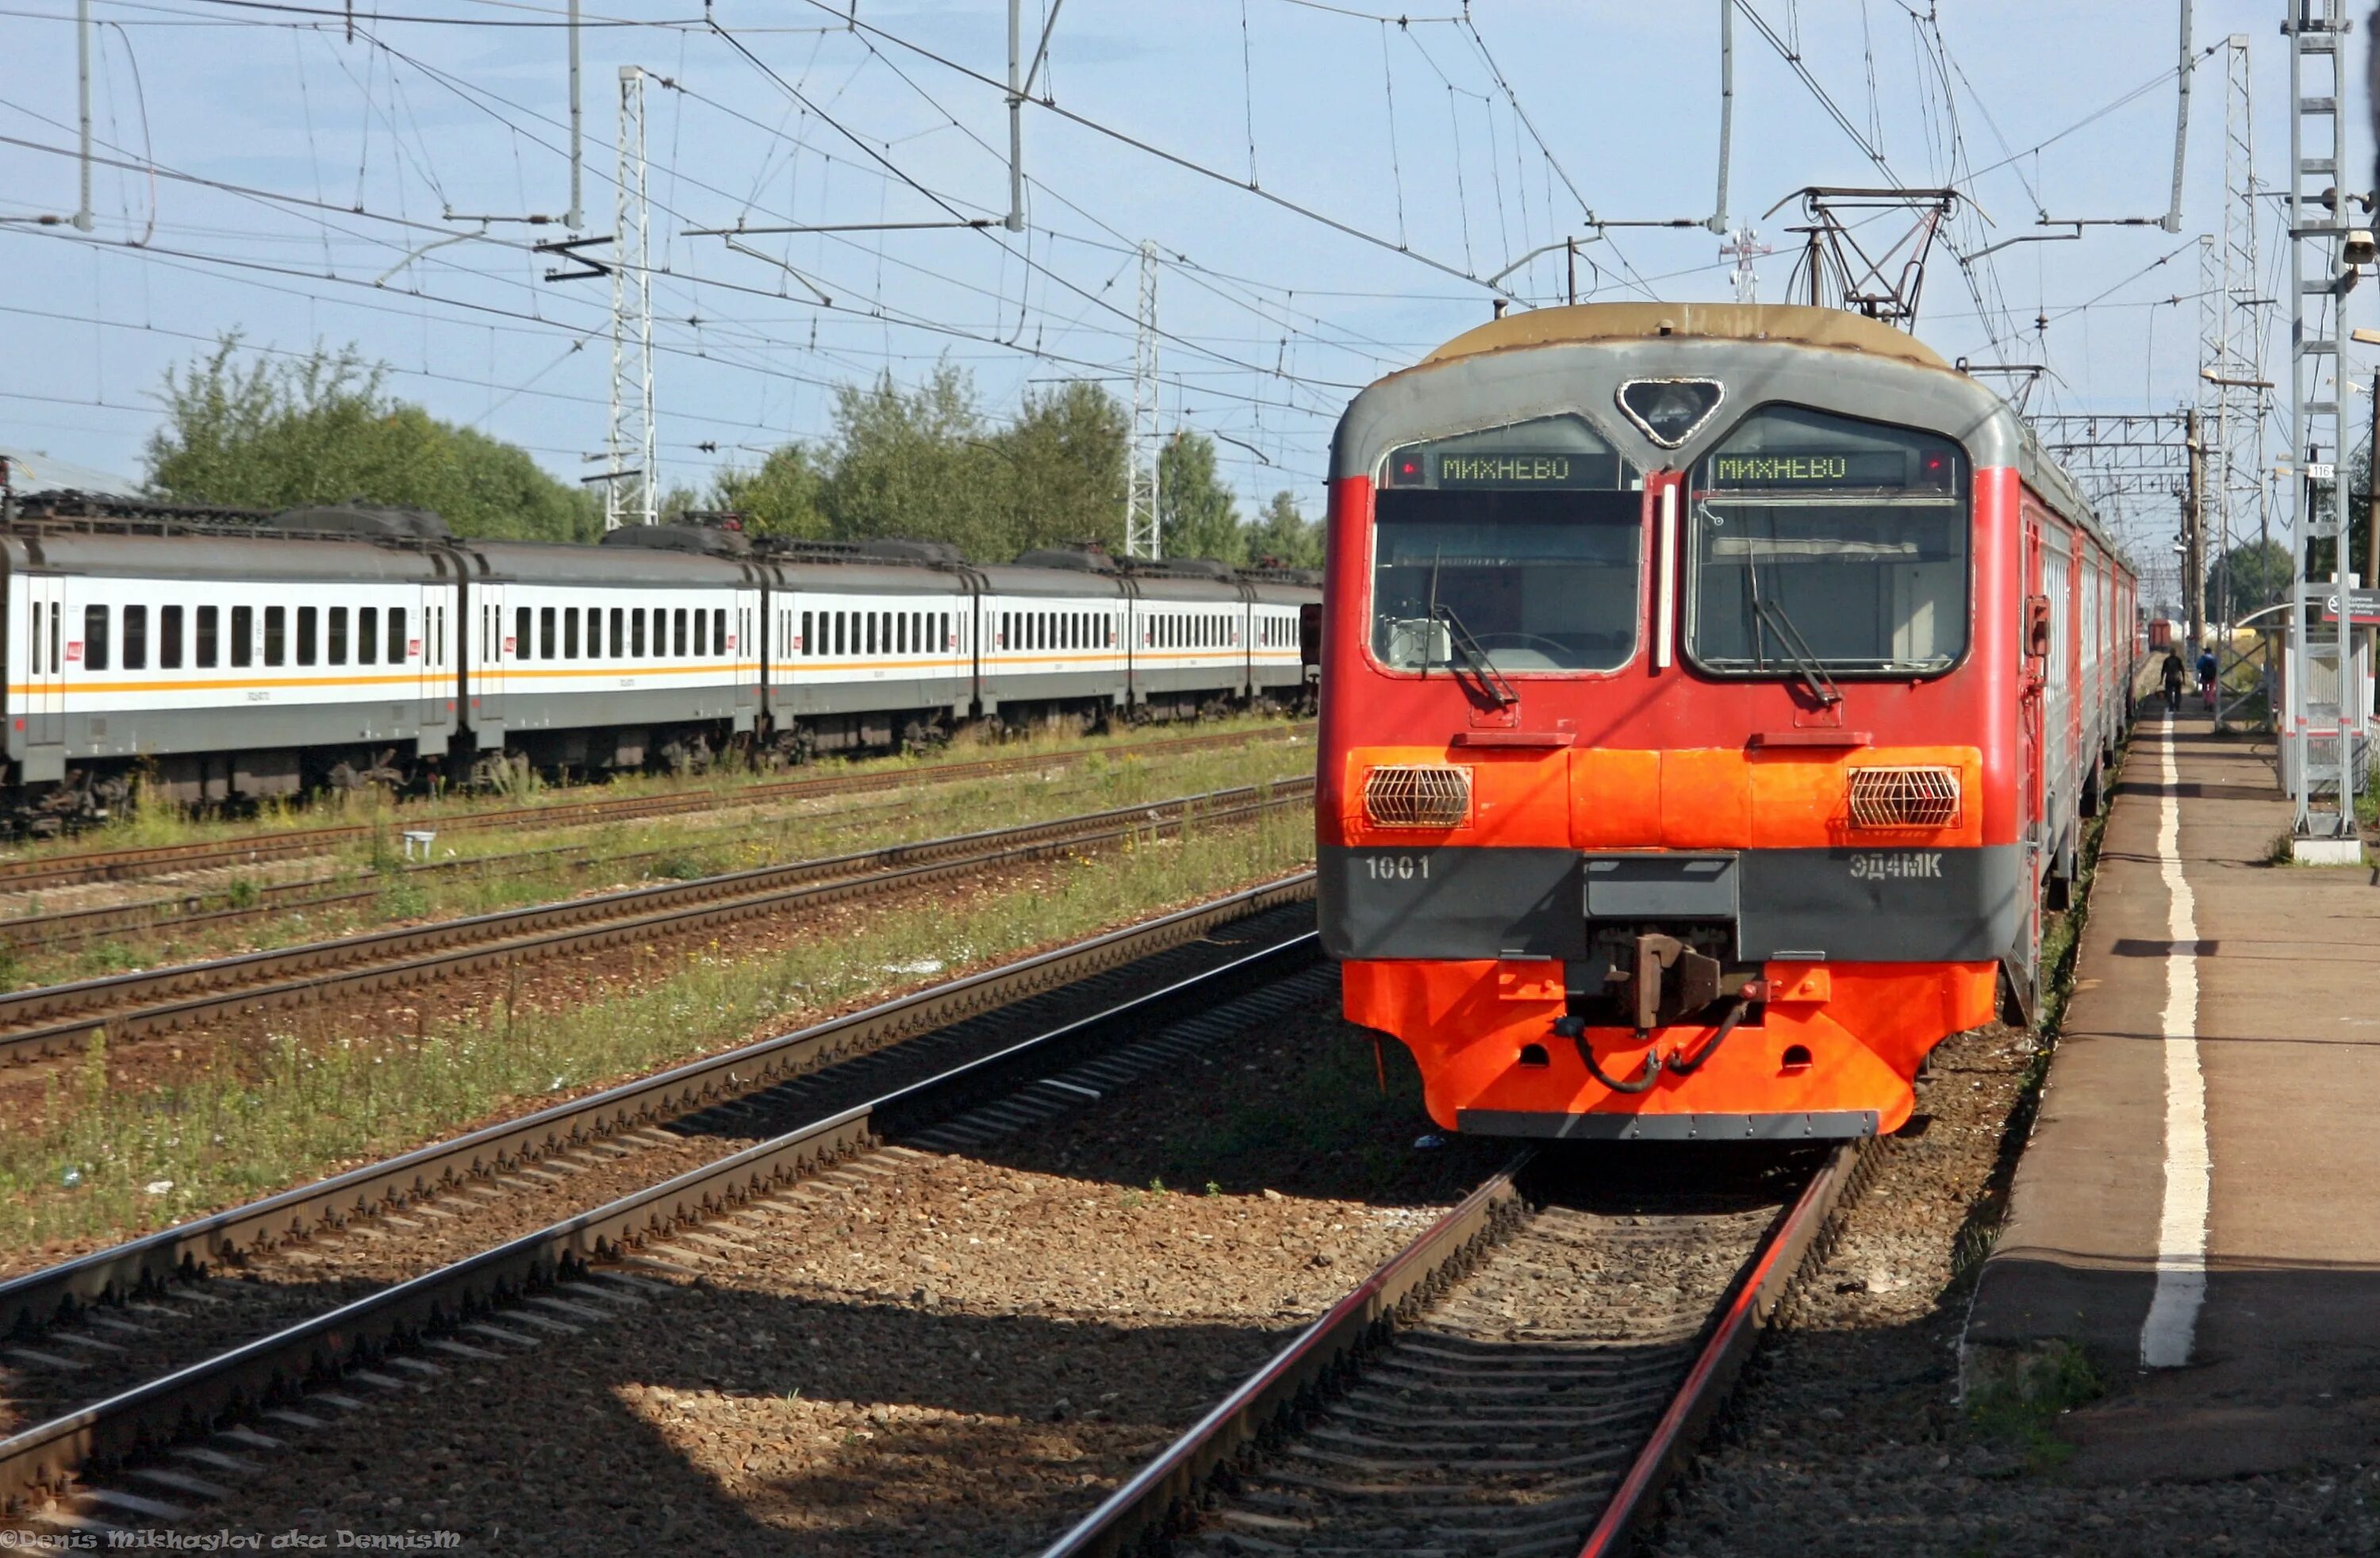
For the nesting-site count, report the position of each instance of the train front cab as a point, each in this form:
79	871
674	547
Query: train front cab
1671	782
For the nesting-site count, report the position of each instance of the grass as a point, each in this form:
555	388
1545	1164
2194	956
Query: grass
484	872
152	823
107	1162
2020	1412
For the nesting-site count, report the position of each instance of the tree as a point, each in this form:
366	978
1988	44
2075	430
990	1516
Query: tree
1197	516
1284	536
2258	573
784	497
916	463
321	429
1064	461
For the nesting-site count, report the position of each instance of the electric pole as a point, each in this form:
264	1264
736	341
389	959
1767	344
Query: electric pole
632	492
1141	529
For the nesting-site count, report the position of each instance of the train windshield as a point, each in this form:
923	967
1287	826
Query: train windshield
1818	541
1518	547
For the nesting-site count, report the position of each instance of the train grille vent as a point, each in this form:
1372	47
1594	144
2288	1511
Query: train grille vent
1904	798
1418	796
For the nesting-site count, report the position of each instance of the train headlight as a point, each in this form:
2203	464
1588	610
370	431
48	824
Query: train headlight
1904	798
1418	796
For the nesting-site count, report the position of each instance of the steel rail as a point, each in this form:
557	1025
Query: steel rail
196	906
156	1412
1144	1507
1149	1505
42	1298
116	865
127	1005
1750	1304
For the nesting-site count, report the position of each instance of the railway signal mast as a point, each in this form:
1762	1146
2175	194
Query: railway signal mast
630	493
2323	730
1141	527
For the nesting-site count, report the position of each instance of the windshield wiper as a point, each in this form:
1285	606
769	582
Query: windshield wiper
1490	679
1797	649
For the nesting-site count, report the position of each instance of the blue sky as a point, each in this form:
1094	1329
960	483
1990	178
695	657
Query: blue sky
298	177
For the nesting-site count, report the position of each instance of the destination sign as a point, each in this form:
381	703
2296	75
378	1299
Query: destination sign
1503	469
1882	468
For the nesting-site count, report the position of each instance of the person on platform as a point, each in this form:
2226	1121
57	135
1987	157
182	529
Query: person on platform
2206	676
2173	674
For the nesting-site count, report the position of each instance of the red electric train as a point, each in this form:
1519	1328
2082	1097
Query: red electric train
1711	696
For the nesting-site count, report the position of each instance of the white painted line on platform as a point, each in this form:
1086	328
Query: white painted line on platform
2172	1324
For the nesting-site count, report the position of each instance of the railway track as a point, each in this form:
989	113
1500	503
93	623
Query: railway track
54	1019
217	908
146	1430
132	864
1523	1379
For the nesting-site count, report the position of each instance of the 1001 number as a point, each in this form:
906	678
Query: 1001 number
1398	868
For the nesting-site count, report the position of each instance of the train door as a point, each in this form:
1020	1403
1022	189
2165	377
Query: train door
42	644
744	649
426	652
492	665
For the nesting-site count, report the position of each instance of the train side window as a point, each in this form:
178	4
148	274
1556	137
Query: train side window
594	632
520	633
308	634
948	643
677	632
169	638
548	633
34	652
637	632
397	647
570	632
367	635
338	635
619	631
243	635
719	644
276	635
900	632
94	638
136	638
702	633
436	616
808	644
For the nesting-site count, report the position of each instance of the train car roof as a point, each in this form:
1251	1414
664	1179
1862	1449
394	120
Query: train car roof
1010	578
830	579
102	554
1796	323
1550	361
562	562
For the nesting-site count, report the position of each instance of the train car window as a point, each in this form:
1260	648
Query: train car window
308	634
677	632
637	632
701	632
549	633
719	644
521	642
243	635
1818	539
276	635
94	639
437	616
808	644
136	638
570	632
54	638
33	655
619	631
399	650
1522	539
338	635
367	635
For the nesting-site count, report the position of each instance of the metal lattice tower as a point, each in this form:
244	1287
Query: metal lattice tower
2233	397
631	489
2323	726
1141	537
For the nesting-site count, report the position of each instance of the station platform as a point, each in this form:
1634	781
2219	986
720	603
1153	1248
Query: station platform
2198	1209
